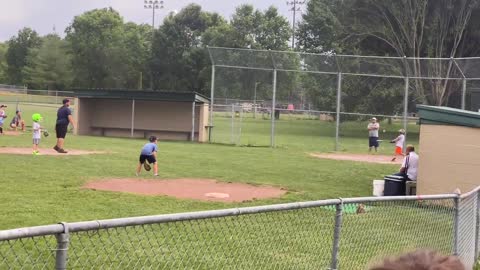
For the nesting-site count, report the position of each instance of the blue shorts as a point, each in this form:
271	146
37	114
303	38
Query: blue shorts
150	158
372	141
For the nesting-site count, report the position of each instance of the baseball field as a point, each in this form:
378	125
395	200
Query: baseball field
45	189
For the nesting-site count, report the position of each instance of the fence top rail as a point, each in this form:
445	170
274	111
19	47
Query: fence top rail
346	55
145	220
470	193
398	64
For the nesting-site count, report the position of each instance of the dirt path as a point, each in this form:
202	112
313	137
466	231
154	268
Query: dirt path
198	189
381	159
46	151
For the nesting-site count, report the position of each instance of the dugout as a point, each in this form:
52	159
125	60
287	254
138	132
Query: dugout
449	150
140	114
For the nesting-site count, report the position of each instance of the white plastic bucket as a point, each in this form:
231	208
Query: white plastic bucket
378	186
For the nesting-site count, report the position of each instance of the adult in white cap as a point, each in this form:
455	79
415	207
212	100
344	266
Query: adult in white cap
373	128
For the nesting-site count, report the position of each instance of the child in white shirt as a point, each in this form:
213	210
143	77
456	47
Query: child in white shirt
37	132
399	142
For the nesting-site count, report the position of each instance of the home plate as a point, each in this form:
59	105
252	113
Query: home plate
217	195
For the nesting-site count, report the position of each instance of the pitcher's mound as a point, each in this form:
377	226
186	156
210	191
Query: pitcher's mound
381	159
46	152
198	189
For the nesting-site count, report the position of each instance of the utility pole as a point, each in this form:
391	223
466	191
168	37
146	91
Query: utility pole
153	4
296	6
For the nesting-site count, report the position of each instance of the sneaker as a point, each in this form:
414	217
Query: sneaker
34	153
62	151
136	174
56	148
155	174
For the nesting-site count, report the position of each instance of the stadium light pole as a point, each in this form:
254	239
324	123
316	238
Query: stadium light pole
153	4
295	7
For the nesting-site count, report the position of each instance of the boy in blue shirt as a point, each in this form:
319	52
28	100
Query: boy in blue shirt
149	153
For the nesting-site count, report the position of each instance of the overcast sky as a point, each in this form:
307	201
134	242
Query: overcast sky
43	15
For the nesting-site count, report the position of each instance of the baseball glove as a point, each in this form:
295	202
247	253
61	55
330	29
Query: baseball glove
45	133
147	166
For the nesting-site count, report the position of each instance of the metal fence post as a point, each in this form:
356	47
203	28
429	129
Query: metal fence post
212	91
477	225
61	255
274	96
336	235
405	111
456	223
464	93
192	136
339	102
132	127
232	136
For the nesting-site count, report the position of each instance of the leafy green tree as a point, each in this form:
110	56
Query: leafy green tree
320	28
136	48
424	28
179	60
95	42
49	66
3	63
18	48
255	29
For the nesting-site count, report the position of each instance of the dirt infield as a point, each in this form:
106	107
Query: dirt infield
46	152
381	159
11	133
198	189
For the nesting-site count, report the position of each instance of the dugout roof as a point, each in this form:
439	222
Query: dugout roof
435	115
141	95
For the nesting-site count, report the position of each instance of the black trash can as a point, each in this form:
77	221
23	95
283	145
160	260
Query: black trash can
394	186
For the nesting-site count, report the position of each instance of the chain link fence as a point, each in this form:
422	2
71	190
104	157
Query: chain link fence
28	102
327	234
19	96
349	87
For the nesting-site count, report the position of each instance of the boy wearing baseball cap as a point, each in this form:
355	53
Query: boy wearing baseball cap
149	154
399	141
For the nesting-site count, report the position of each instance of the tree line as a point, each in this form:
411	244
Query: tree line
101	50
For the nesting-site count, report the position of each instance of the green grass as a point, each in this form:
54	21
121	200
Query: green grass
309	134
39	190
46	189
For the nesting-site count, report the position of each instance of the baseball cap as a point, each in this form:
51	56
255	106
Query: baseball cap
373	118
65	101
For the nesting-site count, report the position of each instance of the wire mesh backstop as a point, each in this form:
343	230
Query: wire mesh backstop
328	234
335	95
